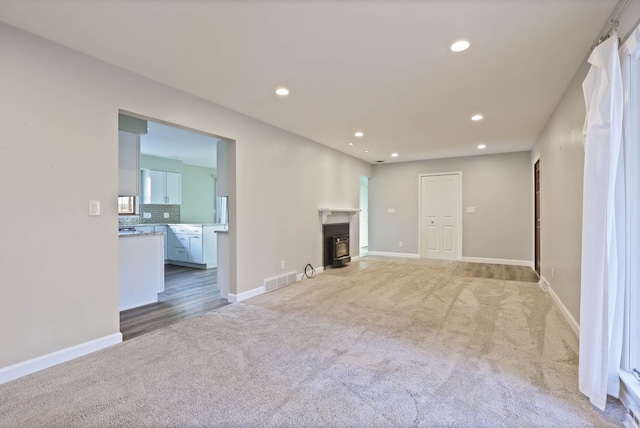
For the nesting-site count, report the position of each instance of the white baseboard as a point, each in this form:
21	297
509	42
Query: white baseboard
498	261
570	319
386	254
544	284
33	365
235	298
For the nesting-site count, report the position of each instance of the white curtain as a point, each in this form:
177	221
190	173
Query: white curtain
603	228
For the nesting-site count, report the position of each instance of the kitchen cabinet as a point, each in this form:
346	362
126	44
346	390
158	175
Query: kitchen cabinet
141	270
161	187
173	188
195	245
128	164
163	229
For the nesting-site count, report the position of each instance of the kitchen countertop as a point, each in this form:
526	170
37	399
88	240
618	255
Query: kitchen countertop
136	233
174	224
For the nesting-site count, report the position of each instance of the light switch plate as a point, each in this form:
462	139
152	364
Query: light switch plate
94	207
391	210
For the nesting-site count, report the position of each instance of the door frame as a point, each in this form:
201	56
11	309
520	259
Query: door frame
536	160
459	222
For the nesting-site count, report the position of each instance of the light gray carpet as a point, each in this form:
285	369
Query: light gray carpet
378	343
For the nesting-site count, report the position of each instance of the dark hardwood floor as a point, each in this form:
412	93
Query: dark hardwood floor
188	293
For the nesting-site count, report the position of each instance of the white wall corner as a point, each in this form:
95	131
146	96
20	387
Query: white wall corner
33	365
570	319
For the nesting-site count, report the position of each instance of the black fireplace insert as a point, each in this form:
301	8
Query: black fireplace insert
335	239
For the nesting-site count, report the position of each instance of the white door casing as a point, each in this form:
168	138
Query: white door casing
364	214
440	216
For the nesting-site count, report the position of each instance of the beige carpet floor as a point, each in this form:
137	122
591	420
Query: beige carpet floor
378	343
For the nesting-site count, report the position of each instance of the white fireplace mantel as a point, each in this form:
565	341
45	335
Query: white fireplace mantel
326	212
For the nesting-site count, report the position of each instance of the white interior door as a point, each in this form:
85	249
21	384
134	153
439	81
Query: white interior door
440	217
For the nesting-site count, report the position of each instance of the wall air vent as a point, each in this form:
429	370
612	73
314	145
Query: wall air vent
280	281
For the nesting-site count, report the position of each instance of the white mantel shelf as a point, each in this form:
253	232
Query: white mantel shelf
326	212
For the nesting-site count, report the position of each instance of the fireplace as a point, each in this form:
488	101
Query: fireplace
336	244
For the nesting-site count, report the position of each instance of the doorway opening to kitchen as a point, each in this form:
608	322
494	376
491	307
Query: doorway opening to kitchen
172	205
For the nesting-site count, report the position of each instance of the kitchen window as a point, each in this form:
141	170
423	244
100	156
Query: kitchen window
126	205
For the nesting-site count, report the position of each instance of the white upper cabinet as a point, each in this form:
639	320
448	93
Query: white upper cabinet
161	187
128	163
158	190
173	186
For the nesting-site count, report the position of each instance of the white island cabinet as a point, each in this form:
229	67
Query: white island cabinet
193	245
141	270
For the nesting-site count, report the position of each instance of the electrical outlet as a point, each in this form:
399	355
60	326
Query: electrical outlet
166	215
400	244
282	264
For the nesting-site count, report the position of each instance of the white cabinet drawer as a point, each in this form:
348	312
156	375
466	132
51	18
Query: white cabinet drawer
197	230
179	254
181	240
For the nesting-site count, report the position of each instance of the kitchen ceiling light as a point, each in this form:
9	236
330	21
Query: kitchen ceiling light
460	46
394	155
359	134
366	151
283	92
482	146
477	117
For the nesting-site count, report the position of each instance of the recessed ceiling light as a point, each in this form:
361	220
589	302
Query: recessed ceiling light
366	151
394	155
477	117
482	146
283	92
359	134
460	46
351	144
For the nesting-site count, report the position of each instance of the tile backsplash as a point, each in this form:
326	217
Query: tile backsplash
128	220
157	212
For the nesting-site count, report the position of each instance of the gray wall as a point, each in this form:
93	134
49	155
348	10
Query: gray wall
499	186
561	152
58	150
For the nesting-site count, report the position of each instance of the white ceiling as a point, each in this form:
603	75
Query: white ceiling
174	143
380	66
